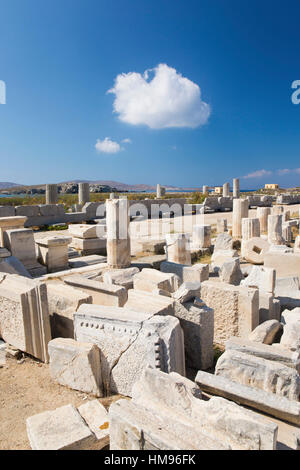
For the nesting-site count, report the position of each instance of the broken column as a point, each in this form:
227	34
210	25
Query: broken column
158	191
201	236
236	188
118	239
83	193
275	230
205	189
240	211
226	190
178	249
262	214
53	252
250	229
51	193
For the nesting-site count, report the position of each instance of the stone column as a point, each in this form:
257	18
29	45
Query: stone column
51	193
118	239
83	193
250	228
277	210
240	211
236	187
201	236
287	234
178	248
226	190
262	214
158	191
275	230
205	189
221	225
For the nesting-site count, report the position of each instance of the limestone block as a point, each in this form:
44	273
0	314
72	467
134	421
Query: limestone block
253	371
28	211
223	242
236	309
221	225
2	353
84	230
96	417
173	397
266	332
201	236
76	365
287	283
273	353
128	342
187	291
13	265
153	303
255	250
197	272
10	223
287	234
101	293
197	322
262	278
53	252
178	248
63	301
121	277
47	210
220	257
89	260
288	316
285	264
7	211
297	244
150	279
89	245
269	307
266	402
60	429
291	336
24	316
230	272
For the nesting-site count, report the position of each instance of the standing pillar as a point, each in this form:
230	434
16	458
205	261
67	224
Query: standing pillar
275	230
250	229
178	248
262	214
51	193
221	225
118	239
226	190
205	189
201	236
158	191
240	211
83	193
236	188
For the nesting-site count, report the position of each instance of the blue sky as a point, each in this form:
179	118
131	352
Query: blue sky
59	58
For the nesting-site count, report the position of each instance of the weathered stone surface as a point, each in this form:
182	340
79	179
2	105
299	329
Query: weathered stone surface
201	237
290	338
187	291
53	252
2	353
230	272
287	283
118	240
288	316
102	294
150	302
197	272
266	332
173	397
223	242
275	230
13	265
63	301
240	210
220	257
83	230
271	353
236	309
8	223
255	250
96	417
150	279
178	248
121	277
269	403
24	316
60	429
221	225
76	365
197	322
262	214
285	264
129	341
259	373
89	260
89	246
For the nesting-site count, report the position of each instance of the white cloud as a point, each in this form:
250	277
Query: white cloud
166	100
107	146
287	171
258	174
127	141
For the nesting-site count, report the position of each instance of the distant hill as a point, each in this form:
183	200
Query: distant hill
4	185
